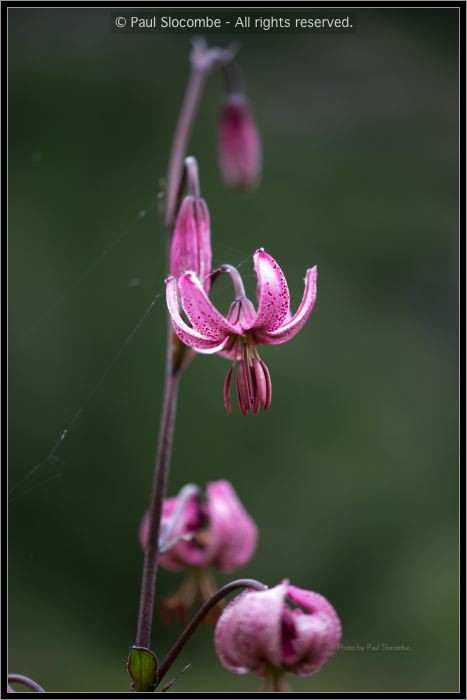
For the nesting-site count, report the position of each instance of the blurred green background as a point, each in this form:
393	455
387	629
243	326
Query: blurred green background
352	476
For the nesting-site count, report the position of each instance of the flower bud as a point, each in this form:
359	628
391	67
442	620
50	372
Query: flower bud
191	241
201	533
239	143
259	631
215	531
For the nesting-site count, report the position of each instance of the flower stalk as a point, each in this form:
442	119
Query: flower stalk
161	472
203	60
200	615
179	146
24	680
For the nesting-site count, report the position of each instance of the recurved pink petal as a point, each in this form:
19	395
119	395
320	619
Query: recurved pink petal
201	312
248	633
233	532
316	633
187	335
296	323
273	293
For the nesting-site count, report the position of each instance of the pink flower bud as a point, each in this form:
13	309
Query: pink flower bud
212	532
259	631
201	532
239	143
191	241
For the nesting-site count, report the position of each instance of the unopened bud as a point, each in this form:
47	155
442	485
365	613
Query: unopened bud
191	242
239	143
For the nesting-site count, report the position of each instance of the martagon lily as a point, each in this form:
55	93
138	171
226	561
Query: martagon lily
202	532
281	629
237	335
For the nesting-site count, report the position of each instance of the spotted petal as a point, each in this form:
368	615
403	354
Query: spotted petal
201	312
273	293
296	323
187	335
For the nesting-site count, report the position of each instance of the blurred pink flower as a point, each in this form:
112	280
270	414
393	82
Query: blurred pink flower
191	241
239	143
239	333
259	632
213	531
210	532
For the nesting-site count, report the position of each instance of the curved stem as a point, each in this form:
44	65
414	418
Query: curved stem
236	279
179	145
203	60
24	680
233	78
200	615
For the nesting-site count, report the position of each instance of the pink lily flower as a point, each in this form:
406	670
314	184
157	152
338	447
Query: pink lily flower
259	631
202	532
238	334
239	143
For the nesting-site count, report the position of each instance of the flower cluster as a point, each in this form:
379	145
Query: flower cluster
237	335
265	631
284	628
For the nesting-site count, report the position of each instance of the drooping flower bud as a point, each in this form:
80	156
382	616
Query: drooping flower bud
191	241
214	531
239	143
259	631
